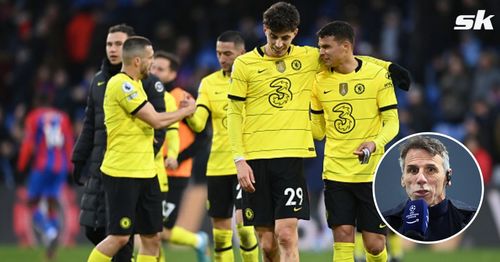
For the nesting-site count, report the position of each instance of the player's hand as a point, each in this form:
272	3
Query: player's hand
171	163
363	158
188	104
400	76
245	176
77	172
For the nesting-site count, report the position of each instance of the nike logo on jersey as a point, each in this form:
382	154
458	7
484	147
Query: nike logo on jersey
382	225
261	70
218	92
296	209
327	91
100	83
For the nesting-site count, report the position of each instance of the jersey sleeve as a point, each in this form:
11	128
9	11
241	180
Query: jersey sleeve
239	85
386	97
387	104
235	127
237	95
379	62
129	96
315	103
318	124
171	106
172	140
199	119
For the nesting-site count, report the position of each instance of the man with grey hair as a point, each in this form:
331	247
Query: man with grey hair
426	172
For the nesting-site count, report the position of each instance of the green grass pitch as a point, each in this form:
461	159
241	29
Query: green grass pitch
80	253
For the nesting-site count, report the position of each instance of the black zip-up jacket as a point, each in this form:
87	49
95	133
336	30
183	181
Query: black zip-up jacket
91	144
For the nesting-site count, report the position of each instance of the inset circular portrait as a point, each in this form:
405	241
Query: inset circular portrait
428	188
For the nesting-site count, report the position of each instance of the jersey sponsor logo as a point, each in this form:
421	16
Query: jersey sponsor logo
359	89
282	95
125	222
345	122
343	89
100	83
132	96
127	87
249	214
261	70
159	86
296	65
280	66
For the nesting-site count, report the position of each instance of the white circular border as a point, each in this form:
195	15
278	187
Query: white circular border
480	176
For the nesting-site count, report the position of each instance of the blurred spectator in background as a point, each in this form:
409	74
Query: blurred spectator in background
482	156
486	75
455	88
7	152
46	150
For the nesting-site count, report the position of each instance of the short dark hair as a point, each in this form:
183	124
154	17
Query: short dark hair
172	58
432	145
281	17
133	46
124	28
341	30
232	37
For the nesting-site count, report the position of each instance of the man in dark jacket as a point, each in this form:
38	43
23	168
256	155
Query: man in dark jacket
426	171
91	144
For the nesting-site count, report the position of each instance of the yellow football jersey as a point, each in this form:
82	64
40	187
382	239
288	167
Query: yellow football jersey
276	94
171	141
129	151
212	100
352	105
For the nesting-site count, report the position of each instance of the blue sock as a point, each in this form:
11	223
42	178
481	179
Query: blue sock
40	221
54	222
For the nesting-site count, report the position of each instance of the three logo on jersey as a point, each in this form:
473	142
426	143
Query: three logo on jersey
283	94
